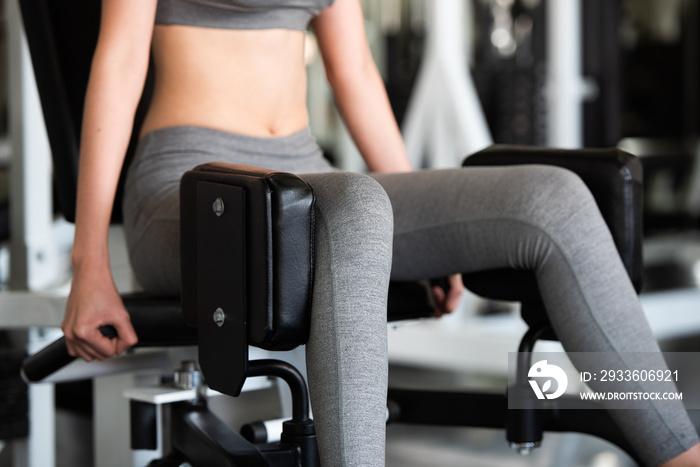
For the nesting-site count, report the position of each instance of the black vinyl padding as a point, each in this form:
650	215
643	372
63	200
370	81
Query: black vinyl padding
278	247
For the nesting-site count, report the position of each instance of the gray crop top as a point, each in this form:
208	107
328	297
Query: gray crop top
240	14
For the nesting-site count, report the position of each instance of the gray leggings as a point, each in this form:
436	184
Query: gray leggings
412	226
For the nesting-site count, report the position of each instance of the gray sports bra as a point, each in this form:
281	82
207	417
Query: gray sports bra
240	14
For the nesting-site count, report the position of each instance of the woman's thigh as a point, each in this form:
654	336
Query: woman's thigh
461	220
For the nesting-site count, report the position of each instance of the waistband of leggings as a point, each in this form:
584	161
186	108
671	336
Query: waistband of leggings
301	142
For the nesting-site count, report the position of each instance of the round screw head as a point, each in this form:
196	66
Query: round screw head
219	317
218	207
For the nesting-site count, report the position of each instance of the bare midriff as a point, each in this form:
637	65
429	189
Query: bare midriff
250	82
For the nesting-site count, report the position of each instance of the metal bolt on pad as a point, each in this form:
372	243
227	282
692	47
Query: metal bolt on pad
218	207
219	317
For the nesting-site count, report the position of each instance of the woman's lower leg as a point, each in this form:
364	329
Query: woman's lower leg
347	349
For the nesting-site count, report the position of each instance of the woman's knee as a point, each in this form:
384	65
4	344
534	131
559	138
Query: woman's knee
354	200
354	236
556	197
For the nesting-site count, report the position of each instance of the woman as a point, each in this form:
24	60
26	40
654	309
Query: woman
231	86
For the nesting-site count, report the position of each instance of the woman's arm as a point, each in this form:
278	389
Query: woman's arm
363	102
116	82
358	87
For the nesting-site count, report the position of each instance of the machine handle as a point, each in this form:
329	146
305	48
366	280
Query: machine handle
52	358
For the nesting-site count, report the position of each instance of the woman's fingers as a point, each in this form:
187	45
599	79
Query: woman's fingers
454	293
81	351
126	336
89	344
446	301
439	298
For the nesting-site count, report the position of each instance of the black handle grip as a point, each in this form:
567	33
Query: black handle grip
158	322
108	331
53	357
47	361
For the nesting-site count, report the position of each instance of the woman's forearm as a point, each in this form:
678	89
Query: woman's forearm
358	87
363	102
116	81
109	110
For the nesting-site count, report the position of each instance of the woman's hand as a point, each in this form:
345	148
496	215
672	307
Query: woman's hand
447	301
94	302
